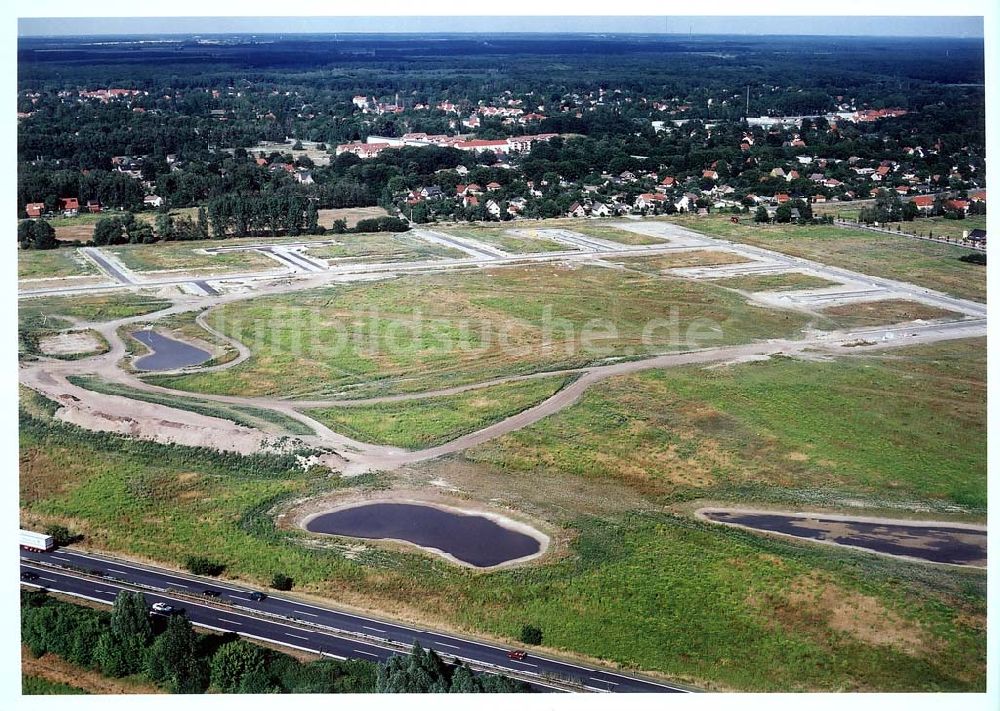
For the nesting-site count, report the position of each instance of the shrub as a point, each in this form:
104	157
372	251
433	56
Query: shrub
280	581
200	565
531	634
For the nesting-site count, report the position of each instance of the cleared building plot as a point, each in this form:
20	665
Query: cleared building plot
381	247
681	259
521	241
873	313
783	281
188	257
610	233
52	264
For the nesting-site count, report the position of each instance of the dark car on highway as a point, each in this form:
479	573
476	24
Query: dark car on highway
28	575
257	596
211	593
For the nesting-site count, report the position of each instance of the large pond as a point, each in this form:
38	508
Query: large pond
470	538
167	353
936	543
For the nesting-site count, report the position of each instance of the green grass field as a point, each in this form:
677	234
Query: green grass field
502	237
911	426
415	424
426	332
382	247
52	263
775	282
928	264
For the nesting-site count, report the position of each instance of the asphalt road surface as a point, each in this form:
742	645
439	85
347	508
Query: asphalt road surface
297	624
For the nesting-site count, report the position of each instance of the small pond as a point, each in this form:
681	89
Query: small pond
472	539
167	353
935	543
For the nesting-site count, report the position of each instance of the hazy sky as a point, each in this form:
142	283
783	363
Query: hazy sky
865	25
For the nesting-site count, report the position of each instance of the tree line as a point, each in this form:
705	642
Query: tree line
166	651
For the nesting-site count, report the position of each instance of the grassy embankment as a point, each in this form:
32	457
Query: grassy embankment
427	422
928	264
775	282
635	585
434	331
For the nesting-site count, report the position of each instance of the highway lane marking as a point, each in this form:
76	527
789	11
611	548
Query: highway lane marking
303	612
604	681
527	664
232	622
363	652
120	572
442	644
373	629
51	580
59	557
297	636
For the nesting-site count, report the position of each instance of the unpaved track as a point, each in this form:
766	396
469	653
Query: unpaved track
167	424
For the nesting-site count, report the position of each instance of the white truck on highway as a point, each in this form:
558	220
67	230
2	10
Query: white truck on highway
33	541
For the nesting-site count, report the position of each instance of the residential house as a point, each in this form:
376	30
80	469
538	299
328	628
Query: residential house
35	209
93	207
152	201
649	200
493	208
599	209
577	210
70	206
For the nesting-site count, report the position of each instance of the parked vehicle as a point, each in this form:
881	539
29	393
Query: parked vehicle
33	541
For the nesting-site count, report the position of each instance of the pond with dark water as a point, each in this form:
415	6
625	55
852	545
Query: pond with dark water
935	543
470	538
167	353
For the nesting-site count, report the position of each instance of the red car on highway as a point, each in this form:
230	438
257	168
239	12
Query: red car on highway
516	654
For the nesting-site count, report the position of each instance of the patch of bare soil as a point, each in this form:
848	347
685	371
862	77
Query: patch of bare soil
69	343
56	669
814	601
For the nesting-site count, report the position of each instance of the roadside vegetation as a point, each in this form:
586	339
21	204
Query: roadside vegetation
166	651
40	686
431	331
427	422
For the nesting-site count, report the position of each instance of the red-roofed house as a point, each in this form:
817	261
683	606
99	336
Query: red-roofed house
69	206
782	198
34	209
957	205
977	196
668	182
709	174
491	187
924	203
649	200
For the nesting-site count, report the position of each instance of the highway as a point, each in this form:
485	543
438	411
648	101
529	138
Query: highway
292	623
